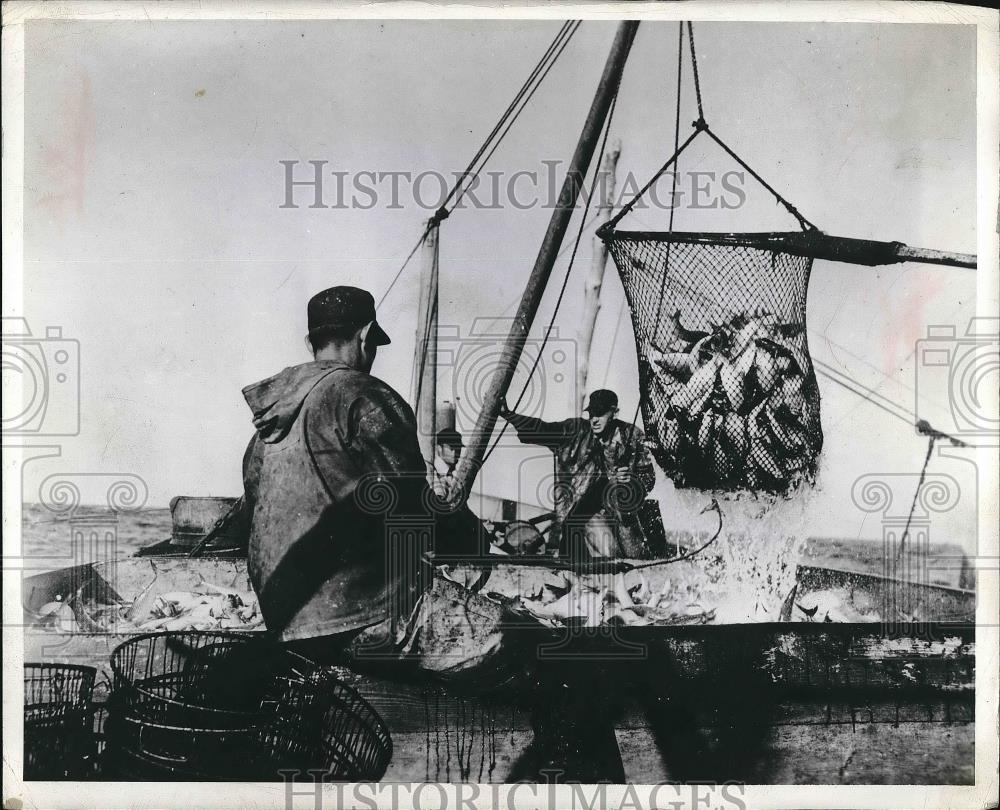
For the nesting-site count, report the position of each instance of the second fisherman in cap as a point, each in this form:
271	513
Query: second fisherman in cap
447	451
603	473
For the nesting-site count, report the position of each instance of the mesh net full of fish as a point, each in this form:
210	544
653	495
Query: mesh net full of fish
729	394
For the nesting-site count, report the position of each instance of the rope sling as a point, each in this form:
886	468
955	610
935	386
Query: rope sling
729	394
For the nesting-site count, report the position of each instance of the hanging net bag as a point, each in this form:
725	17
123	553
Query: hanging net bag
729	395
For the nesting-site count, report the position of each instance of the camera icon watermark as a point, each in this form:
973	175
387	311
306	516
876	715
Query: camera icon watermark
546	366
41	381
966	369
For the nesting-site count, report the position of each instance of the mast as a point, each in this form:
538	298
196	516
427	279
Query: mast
472	459
595	278
425	348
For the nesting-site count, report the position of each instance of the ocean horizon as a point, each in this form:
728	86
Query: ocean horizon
53	537
57	537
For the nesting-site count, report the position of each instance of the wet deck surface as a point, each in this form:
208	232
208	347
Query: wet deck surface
768	704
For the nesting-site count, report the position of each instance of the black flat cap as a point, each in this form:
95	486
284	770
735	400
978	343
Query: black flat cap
345	306
601	401
450	437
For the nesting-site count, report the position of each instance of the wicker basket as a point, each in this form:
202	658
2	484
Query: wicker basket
58	720
324	729
207	706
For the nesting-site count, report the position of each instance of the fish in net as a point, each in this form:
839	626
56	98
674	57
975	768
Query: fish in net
728	391
729	395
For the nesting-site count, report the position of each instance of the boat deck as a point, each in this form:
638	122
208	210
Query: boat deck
769	703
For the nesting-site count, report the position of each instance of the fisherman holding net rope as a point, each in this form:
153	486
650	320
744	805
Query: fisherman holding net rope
603	473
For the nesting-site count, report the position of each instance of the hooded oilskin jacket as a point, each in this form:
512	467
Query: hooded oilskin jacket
335	457
582	465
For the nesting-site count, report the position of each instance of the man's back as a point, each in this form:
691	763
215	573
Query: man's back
332	444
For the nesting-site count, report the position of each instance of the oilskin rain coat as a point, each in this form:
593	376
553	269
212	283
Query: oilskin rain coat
334	461
586	505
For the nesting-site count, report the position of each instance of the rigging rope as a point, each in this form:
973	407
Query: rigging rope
402	267
431	318
699	127
702	126
614	341
677	139
673	189
925	429
631	204
502	135
804	223
863	392
510	115
513	303
729	397
569	269
510	107
694	67
916	495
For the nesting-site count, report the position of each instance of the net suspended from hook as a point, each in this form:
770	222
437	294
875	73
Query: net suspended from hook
729	394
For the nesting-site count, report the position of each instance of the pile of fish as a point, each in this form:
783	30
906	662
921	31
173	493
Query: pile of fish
738	406
207	607
613	601
838	605
609	600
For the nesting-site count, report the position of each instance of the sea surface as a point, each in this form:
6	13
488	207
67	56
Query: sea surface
55	539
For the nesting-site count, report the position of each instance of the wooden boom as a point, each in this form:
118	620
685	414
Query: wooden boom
472	459
814	243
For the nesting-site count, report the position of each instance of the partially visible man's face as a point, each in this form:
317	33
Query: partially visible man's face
368	351
598	424
449	454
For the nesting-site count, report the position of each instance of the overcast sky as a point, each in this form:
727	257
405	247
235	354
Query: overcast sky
154	234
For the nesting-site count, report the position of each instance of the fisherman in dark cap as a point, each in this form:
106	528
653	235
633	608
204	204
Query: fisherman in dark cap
603	473
335	461
447	451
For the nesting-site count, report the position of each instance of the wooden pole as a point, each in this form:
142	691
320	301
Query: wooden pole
472	459
816	245
595	278
425	349
905	253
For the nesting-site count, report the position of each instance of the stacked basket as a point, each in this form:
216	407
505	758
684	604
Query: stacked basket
217	706
58	721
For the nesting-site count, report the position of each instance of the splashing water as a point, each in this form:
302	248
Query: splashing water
755	574
750	570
